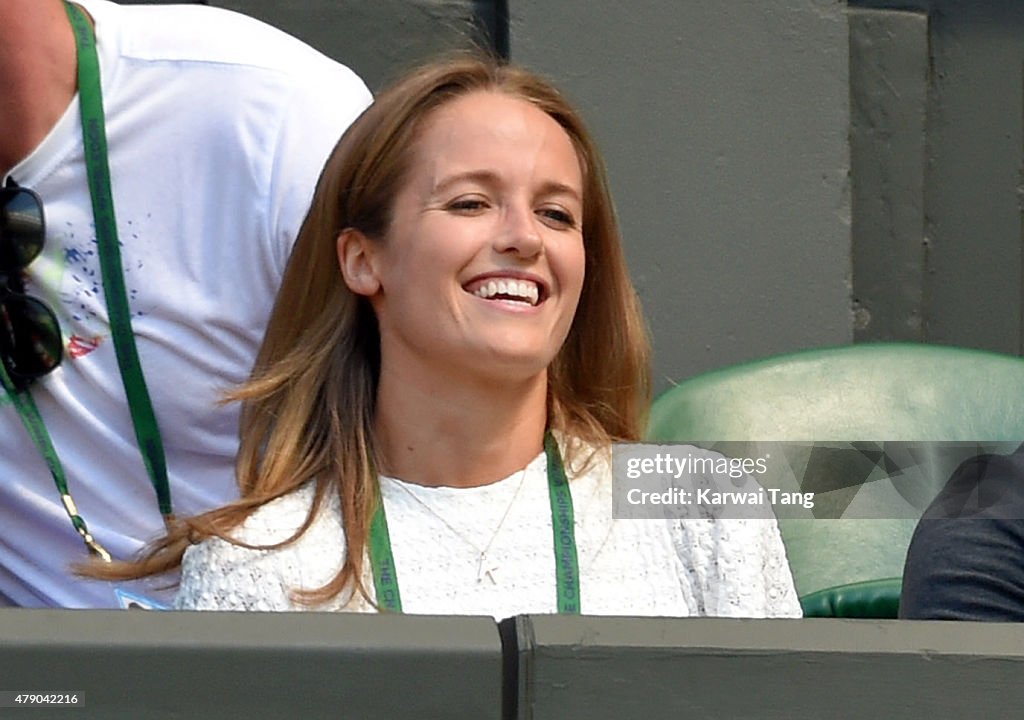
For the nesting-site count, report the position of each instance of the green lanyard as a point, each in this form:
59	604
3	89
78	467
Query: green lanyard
147	434
33	422
563	527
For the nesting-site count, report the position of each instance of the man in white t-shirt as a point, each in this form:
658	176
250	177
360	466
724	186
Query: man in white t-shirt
217	127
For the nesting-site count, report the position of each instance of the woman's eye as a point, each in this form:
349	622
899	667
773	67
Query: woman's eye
467	205
558	216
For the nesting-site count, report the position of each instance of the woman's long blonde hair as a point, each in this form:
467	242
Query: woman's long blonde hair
308	408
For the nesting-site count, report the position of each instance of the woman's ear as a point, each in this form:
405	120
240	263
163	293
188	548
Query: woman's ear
355	258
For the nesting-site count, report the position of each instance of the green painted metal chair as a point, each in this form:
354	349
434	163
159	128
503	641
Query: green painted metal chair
868	392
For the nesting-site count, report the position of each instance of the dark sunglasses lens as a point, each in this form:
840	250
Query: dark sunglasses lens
29	337
21	228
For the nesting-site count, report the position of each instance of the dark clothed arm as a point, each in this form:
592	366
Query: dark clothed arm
966	558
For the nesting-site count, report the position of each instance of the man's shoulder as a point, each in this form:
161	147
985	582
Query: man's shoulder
989	486
203	34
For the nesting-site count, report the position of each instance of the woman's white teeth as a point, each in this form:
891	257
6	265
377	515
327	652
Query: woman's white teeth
516	290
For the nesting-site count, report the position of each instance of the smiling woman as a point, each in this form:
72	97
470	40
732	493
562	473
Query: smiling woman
485	226
454	349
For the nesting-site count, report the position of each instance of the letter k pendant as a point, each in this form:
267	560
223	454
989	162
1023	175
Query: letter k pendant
486	568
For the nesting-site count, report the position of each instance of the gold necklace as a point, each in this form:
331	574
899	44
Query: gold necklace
484	567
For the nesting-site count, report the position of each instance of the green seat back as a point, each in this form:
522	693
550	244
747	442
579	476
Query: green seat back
868	392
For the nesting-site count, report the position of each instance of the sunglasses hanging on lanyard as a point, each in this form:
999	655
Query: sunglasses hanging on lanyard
143	418
30	341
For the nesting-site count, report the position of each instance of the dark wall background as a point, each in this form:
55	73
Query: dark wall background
936	133
789	175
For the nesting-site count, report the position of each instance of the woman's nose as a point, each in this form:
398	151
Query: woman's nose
520	232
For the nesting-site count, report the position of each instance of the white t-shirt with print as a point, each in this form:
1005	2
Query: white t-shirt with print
218	126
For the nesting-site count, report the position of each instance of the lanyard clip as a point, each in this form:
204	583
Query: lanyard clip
94	547
91	543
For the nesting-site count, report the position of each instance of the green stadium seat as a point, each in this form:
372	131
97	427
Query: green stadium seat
867	392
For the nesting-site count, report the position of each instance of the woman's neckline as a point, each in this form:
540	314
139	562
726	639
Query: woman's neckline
538	463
